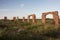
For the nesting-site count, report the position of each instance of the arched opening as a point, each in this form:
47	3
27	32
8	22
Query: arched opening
49	19
55	17
32	18
49	16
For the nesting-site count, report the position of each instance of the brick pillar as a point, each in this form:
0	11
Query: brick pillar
23	19
56	19
34	18
43	18
5	18
14	18
17	18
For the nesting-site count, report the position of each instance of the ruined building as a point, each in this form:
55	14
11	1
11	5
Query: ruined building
33	18
55	17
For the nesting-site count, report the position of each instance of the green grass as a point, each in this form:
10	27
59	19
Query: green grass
18	30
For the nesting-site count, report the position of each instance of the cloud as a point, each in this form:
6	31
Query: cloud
22	5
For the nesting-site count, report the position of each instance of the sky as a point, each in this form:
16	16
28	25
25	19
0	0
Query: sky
23	8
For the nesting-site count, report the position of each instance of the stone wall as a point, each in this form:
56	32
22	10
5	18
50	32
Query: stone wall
33	18
55	17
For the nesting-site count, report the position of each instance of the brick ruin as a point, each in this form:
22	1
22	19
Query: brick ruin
5	18
14	18
23	20
17	18
54	13
55	17
33	18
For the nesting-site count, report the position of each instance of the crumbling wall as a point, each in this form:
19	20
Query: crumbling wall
55	17
23	19
33	18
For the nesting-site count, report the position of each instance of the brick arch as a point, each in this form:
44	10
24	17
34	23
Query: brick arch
55	17
33	18
49	16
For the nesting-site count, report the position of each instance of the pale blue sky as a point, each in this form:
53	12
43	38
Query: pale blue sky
22	8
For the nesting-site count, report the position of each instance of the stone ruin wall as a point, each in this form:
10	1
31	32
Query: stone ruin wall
55	17
23	20
54	13
5	18
14	18
33	18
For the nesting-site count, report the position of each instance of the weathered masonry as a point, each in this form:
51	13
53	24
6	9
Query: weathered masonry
33	18
55	17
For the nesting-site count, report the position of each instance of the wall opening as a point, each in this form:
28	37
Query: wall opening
49	19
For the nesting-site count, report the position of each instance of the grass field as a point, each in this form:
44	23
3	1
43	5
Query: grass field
18	30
